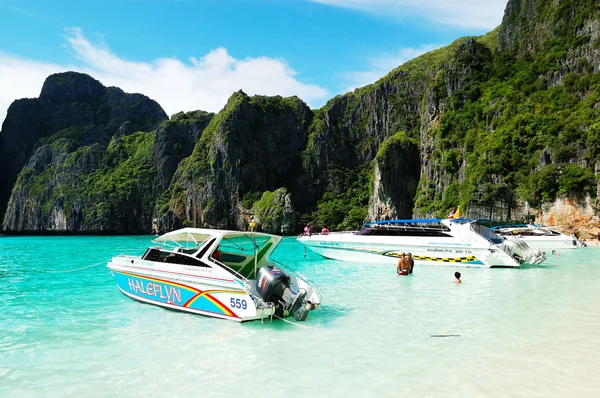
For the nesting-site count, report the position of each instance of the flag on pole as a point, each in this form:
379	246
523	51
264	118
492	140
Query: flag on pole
451	215
457	213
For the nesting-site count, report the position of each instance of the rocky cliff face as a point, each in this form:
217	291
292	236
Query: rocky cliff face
566	29
55	142
174	141
72	105
40	201
253	145
397	172
501	124
274	213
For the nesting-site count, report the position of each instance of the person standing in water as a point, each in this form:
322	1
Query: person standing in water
403	267
457	276
411	262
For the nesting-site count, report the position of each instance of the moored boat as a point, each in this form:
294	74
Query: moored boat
217	273
431	241
543	238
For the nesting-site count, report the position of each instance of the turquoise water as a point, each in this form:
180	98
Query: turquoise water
532	332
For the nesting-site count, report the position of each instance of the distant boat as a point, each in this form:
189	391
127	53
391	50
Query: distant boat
465	243
543	238
217	273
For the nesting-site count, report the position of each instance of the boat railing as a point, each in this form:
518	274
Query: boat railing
231	270
245	281
408	226
298	275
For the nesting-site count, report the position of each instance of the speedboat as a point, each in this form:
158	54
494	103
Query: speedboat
431	241
543	238
217	273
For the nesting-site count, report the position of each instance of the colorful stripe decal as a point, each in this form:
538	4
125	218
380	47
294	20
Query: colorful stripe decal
468	259
207	294
208	303
396	254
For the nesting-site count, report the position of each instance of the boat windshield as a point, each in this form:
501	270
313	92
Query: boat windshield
487	233
406	228
244	244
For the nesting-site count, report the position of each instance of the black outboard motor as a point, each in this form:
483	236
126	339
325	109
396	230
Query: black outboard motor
274	286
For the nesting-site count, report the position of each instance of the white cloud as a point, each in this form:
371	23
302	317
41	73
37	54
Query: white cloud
382	65
205	83
470	14
21	78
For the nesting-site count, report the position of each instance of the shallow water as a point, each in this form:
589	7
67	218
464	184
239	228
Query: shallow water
532	332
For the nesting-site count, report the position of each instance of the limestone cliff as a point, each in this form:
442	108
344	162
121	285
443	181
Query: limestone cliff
253	145
57	144
71	105
503	125
397	171
564	31
274	213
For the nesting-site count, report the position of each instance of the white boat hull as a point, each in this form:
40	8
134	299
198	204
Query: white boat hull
549	242
179	289
453	254
540	237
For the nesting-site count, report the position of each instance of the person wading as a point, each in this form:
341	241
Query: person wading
411	262
403	267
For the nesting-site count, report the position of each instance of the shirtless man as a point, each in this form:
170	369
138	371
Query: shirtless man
403	267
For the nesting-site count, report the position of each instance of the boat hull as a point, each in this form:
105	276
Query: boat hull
549	243
188	294
388	253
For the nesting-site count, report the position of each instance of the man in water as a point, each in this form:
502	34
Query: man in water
457	276
411	261
403	267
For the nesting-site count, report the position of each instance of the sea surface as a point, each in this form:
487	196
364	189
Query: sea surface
66	331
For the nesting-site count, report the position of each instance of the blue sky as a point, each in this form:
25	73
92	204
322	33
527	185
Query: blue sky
192	54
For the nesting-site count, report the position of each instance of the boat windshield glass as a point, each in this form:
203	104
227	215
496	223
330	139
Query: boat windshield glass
405	229
487	233
186	242
244	244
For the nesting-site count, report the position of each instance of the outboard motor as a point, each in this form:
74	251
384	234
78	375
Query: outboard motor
274	286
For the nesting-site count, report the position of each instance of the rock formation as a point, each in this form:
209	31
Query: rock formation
503	124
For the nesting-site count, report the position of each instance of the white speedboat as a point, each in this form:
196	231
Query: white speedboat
431	241
218	273
535	236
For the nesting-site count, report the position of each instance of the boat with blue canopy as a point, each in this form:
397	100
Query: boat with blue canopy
461	242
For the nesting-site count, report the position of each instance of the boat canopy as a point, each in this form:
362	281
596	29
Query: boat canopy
199	235
420	221
189	235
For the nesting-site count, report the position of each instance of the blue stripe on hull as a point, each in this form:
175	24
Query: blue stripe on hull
171	294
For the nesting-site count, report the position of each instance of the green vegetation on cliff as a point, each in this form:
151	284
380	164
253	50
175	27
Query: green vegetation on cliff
517	116
487	123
